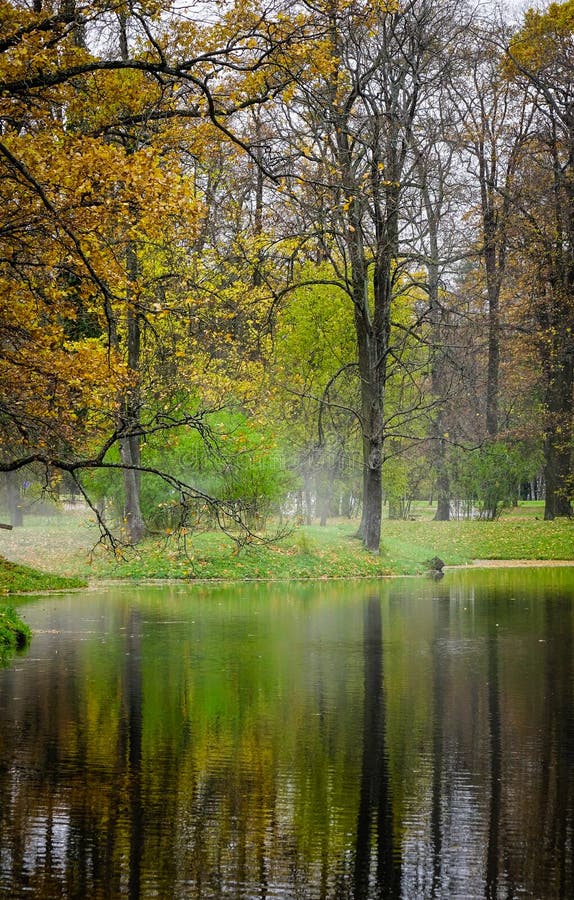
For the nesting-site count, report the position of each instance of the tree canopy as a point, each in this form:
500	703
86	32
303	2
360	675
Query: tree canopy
342	229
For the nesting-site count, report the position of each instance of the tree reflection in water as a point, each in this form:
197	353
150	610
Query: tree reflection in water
133	716
415	740
494	720
375	803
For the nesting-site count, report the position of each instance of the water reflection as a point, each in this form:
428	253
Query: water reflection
495	747
375	801
411	739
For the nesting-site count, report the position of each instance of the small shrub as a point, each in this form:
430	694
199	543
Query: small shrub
304	544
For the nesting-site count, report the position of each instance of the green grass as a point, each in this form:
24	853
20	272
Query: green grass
308	552
334	552
462	542
18	579
14	633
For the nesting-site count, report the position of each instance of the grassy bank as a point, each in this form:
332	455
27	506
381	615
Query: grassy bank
315	552
309	552
14	633
20	579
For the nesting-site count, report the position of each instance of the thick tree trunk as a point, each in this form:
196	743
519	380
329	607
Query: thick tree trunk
558	439
371	356
558	453
559	358
372	398
372	345
371	351
373	499
442	486
372	312
133	519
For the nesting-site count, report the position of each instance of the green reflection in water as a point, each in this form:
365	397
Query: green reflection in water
391	739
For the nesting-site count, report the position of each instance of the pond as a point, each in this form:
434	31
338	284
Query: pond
404	739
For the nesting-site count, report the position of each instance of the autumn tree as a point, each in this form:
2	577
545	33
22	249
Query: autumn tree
351	169
540	58
95	198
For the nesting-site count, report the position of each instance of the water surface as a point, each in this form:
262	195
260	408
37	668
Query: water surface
352	740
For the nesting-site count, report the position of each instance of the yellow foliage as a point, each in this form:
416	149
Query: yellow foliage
544	38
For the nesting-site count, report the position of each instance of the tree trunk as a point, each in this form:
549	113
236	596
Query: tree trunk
372	333
130	453
373	501
493	282
371	355
442	513
438	364
494	253
129	443
372	426
559	362
133	519
14	499
308	493
558	437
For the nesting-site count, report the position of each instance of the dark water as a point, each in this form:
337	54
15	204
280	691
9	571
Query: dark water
409	739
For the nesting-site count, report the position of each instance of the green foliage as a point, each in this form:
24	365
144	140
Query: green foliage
14	633
489	479
404	477
232	459
316	385
315	355
314	334
304	543
247	468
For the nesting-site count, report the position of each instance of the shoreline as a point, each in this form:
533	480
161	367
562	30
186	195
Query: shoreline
99	583
513	563
95	584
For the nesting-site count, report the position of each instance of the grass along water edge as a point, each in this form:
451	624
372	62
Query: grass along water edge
69	545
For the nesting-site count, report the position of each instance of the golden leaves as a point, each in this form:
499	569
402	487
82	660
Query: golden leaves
544	38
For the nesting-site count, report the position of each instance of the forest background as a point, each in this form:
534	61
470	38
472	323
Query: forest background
285	261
